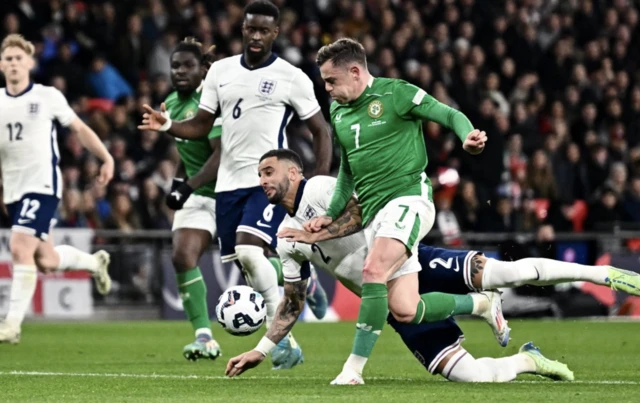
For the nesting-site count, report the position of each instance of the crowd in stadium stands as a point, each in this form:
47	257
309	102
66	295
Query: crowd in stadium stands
554	83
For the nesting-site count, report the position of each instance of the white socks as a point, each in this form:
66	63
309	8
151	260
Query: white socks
261	276
462	367
74	259
539	271
356	363
23	286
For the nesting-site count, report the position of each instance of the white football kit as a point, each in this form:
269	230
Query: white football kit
255	106
342	257
29	156
28	141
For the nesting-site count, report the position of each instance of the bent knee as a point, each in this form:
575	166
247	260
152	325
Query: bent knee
403	314
184	260
373	272
249	256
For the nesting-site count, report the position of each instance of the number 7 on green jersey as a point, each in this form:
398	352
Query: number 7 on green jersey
356	127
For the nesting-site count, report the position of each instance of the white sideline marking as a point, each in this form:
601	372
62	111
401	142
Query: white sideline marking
318	378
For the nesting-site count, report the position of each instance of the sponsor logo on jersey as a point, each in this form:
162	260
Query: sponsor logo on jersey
267	86
375	109
189	114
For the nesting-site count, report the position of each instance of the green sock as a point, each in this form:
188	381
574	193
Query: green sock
193	291
373	313
435	306
277	264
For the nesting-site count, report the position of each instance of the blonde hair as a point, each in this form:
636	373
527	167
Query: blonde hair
17	41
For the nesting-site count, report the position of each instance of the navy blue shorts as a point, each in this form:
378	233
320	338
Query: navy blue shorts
33	214
442	271
246	210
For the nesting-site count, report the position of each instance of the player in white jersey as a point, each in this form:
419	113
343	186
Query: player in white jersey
436	344
255	94
32	182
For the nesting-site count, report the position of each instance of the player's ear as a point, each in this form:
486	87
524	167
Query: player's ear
276	31
354	70
31	63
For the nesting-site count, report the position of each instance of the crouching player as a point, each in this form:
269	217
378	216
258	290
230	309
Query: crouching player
436	339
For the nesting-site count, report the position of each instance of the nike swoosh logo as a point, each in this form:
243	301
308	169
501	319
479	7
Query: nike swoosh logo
261	224
23	221
225	84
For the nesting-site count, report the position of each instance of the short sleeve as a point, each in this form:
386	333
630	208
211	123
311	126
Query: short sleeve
60	108
294	268
216	130
209	97
301	96
407	96
319	191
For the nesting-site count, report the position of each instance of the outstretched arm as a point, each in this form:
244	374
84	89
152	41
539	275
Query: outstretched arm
349	222
196	127
413	102
286	316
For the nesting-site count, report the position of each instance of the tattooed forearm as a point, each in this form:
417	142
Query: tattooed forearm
349	222
477	268
288	311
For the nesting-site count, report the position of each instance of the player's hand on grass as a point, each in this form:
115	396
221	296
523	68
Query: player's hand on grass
106	172
474	144
237	365
152	119
317	223
178	196
297	235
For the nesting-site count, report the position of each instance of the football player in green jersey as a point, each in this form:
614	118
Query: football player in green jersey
378	124
194	223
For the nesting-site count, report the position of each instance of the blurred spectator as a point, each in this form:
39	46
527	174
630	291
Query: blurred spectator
106	82
554	84
71	212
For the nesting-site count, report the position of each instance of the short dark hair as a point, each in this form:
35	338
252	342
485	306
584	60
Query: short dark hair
341	52
191	44
263	7
284	154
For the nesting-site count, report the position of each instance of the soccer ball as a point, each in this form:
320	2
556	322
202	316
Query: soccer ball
241	310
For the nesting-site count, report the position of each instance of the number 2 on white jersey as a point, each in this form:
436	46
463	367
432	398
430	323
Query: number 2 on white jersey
356	127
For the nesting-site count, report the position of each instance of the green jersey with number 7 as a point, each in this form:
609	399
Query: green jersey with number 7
382	145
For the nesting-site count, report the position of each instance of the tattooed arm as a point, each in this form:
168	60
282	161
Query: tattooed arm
288	311
286	316
349	222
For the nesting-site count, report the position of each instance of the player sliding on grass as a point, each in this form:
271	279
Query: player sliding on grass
378	124
254	94
436	345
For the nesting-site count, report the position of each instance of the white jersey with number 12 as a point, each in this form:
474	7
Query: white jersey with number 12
28	141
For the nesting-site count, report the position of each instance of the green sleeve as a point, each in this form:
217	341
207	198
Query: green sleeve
216	130
412	102
344	187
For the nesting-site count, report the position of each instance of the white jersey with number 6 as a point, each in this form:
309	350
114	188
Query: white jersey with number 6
255	104
343	257
28	141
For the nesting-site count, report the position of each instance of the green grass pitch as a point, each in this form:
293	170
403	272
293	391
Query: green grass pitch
142	362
